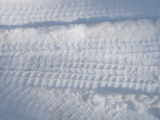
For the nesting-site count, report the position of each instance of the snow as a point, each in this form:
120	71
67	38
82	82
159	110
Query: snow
51	12
42	103
78	60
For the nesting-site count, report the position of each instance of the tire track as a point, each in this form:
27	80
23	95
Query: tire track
123	56
89	62
108	75
37	104
42	47
53	12
46	71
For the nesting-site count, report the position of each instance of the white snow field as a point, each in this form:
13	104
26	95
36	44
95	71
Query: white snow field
79	60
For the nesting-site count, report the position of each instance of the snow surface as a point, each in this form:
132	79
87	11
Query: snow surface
79	60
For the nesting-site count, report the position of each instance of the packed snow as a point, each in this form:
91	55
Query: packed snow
79	60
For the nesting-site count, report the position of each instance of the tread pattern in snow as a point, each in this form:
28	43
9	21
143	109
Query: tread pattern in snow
35	104
70	67
75	11
121	55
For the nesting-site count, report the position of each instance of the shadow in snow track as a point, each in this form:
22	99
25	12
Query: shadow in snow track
79	21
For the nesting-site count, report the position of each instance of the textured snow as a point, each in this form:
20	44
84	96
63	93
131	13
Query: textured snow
53	12
79	60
